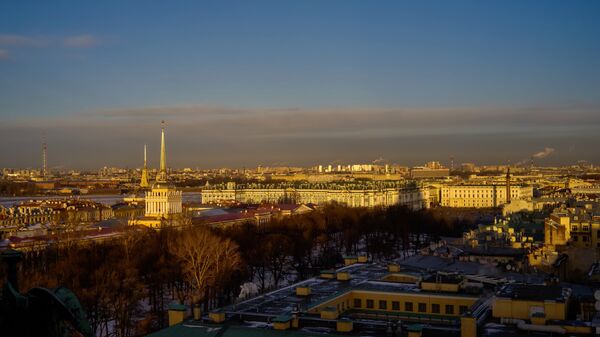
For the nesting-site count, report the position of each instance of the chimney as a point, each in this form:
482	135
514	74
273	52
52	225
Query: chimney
176	313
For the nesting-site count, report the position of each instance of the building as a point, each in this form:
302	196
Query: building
71	211
371	299
528	301
482	195
359	299
163	202
432	169
576	226
369	194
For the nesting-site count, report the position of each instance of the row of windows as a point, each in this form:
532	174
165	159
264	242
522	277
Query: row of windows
583	238
409	306
584	228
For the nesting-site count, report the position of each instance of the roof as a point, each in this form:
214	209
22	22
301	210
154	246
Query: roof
177	306
534	292
225	217
197	329
443	278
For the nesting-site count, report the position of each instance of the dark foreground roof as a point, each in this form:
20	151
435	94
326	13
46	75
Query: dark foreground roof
196	329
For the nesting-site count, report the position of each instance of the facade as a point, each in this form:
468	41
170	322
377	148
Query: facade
482	196
576	226
53	211
163	202
528	302
353	195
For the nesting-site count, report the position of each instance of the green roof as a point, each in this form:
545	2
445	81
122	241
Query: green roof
282	319
177	306
415	327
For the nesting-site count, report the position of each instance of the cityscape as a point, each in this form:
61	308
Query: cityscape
301	168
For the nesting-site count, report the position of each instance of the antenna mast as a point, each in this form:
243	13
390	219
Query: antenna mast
44	162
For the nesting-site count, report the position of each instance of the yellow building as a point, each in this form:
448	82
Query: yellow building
576	226
482	195
163	202
524	301
353	195
377	302
437	298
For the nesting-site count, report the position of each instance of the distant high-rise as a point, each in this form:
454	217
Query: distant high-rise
144	181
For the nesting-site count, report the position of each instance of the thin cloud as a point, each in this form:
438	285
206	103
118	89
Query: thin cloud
300	122
218	135
12	40
81	41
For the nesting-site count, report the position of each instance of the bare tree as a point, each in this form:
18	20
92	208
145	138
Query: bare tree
206	259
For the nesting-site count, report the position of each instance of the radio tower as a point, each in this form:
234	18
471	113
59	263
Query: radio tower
44	163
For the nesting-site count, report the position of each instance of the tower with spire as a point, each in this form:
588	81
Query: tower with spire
163	201
162	173
144	181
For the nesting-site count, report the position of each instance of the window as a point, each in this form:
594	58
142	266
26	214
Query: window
357	303
383	305
435	308
462	309
449	309
422	307
574	228
395	305
585	228
369	304
575	238
408	306
584	238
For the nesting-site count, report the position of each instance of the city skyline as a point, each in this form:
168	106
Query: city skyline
299	83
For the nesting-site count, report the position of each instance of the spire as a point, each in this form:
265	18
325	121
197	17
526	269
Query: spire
162	174
144	180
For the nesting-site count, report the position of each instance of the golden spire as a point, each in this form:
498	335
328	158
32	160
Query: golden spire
144	181
162	174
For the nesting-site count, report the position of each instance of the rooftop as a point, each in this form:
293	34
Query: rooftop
196	329
533	292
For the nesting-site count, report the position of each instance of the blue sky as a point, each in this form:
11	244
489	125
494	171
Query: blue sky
87	74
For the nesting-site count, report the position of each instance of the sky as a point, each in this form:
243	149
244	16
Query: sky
299	83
